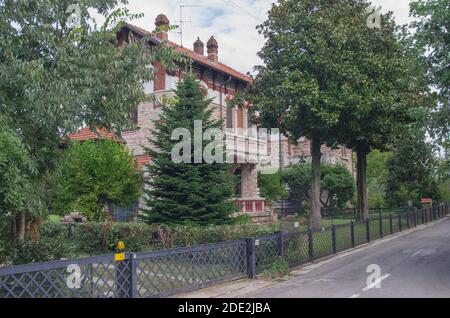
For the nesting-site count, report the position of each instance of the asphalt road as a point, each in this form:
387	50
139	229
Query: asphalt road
415	265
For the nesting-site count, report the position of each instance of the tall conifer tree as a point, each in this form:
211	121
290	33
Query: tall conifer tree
187	193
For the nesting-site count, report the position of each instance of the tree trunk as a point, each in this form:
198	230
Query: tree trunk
315	217
361	182
22	224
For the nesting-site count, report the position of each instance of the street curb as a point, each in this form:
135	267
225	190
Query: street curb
242	287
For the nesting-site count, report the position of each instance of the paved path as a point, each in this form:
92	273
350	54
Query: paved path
414	265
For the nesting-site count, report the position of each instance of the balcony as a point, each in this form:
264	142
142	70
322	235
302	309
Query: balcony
246	149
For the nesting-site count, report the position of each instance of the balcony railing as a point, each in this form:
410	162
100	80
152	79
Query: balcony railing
251	205
247	149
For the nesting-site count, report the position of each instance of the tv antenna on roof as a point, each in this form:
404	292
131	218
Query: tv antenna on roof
181	22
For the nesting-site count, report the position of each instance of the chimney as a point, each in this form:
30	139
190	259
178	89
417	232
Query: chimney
213	50
162	21
199	47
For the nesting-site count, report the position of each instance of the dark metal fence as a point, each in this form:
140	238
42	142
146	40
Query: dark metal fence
95	277
162	273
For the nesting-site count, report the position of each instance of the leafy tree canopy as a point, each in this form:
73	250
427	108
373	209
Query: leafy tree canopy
271	186
57	76
338	185
96	173
377	174
17	193
412	171
432	41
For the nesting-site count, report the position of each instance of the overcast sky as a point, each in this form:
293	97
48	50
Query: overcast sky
232	22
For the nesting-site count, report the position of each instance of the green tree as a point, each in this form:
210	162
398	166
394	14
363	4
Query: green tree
303	86
190	192
94	174
56	77
386	93
271	186
432	41
412	171
338	185
377	174
18	196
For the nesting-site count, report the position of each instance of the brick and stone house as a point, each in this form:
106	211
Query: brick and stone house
291	153
220	83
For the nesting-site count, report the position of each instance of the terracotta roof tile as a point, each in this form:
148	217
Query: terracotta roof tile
196	57
86	134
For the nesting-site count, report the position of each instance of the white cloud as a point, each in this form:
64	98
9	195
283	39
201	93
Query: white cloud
234	29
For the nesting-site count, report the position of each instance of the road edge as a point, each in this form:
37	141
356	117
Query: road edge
242	287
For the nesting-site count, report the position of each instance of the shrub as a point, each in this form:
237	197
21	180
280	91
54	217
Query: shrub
53	244
55	241
96	173
136	236
279	268
93	237
271	186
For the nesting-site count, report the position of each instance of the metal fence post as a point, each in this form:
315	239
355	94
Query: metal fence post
408	215
391	228
123	276
281	239
368	230
310	245
423	217
381	226
333	238
352	233
133	278
399	222
251	257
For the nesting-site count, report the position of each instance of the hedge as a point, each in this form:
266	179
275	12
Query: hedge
57	241
91	238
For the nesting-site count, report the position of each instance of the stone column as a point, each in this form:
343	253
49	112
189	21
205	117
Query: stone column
249	177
